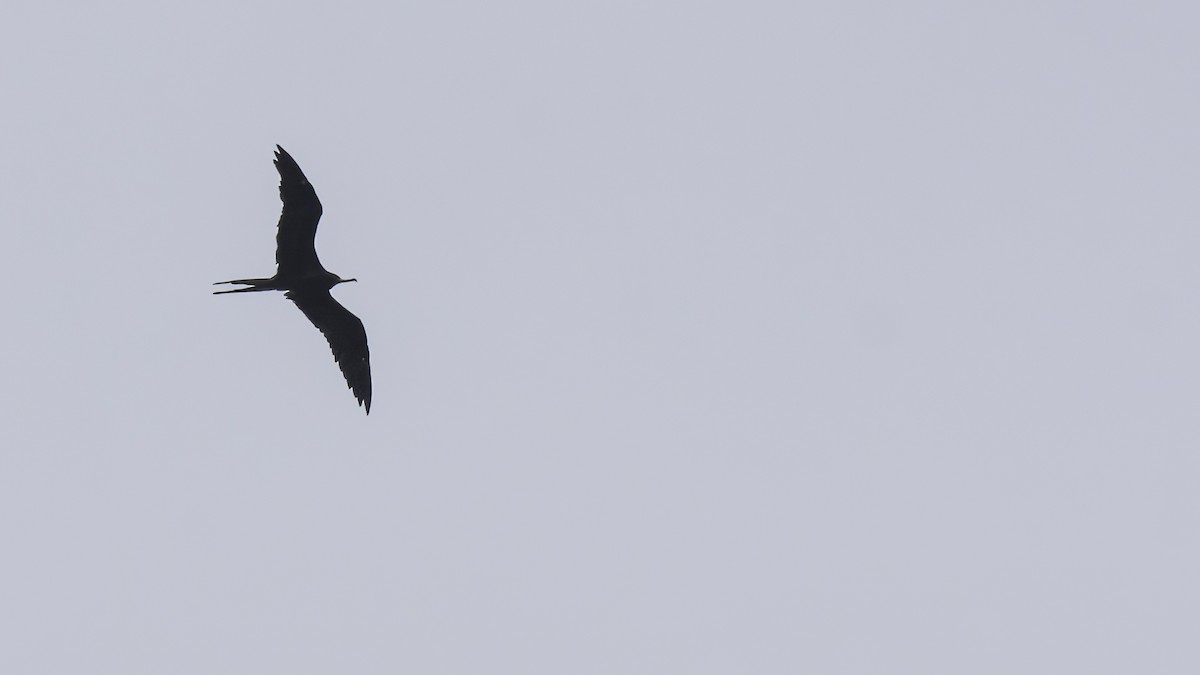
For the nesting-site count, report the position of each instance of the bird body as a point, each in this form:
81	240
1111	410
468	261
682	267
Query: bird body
307	283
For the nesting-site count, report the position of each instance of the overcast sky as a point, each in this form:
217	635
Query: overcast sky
707	338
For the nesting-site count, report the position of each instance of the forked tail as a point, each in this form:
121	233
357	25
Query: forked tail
254	285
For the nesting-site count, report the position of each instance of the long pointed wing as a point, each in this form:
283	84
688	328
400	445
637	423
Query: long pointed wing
346	335
295	248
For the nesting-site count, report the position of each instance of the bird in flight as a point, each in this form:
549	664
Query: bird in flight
307	283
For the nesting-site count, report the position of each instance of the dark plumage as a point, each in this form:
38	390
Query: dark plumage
307	283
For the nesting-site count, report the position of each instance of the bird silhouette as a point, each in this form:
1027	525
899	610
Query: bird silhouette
299	273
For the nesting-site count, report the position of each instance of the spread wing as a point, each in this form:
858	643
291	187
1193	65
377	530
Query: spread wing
295	248
346	335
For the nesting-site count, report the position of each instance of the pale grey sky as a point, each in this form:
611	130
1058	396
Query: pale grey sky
707	337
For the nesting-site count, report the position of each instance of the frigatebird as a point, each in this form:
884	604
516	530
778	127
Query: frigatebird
299	273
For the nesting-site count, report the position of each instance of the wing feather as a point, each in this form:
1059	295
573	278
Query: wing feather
295	243
346	336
